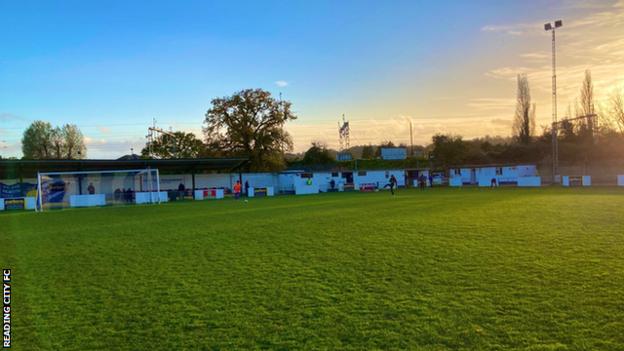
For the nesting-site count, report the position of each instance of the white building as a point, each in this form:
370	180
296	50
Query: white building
483	175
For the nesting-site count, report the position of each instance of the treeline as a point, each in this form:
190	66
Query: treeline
450	150
247	124
250	123
606	145
43	141
585	133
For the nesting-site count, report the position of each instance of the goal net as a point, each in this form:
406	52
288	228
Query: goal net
57	190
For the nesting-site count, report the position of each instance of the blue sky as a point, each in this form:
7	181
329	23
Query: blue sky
112	66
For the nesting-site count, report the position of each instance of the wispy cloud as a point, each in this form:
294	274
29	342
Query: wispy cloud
513	29
112	148
489	104
502	122
536	56
10	117
589	41
605	14
8	149
89	141
103	129
281	83
587	4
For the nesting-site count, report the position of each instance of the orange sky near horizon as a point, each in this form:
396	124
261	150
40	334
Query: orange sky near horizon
447	67
473	93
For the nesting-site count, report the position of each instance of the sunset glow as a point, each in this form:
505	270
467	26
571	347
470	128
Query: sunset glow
446	67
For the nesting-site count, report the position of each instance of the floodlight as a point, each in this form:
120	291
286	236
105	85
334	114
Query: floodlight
555	147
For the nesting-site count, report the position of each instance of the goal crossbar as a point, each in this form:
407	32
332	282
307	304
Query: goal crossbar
143	170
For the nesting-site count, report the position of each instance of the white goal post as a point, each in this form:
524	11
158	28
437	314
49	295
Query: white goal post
98	188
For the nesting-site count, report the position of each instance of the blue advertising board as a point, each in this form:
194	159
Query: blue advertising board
393	153
15	190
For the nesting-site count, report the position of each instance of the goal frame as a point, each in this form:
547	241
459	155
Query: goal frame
148	171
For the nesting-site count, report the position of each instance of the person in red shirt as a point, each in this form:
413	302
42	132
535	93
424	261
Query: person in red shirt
237	189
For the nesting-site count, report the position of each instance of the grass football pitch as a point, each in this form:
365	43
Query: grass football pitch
537	269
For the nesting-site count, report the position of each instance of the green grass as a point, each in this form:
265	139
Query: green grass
539	269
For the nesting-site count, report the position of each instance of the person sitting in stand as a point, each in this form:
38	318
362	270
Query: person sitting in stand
181	191
91	189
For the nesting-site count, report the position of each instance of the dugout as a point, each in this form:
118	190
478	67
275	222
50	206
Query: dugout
18	178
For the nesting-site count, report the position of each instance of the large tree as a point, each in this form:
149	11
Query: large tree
524	118
42	141
368	152
318	154
448	150
175	145
37	141
250	123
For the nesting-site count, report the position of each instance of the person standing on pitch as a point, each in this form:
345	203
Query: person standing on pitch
181	191
422	182
237	189
393	183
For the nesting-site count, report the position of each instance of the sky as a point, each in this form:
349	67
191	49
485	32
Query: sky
111	67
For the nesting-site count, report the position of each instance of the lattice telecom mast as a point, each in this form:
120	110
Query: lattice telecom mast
152	134
343	133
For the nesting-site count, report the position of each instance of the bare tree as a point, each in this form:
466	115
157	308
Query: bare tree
586	107
74	146
617	109
532	120
524	119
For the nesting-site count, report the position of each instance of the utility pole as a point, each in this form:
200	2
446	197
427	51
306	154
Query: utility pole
411	139
150	137
555	142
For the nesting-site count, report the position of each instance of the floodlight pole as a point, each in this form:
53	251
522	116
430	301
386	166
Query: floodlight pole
554	130
555	137
411	139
